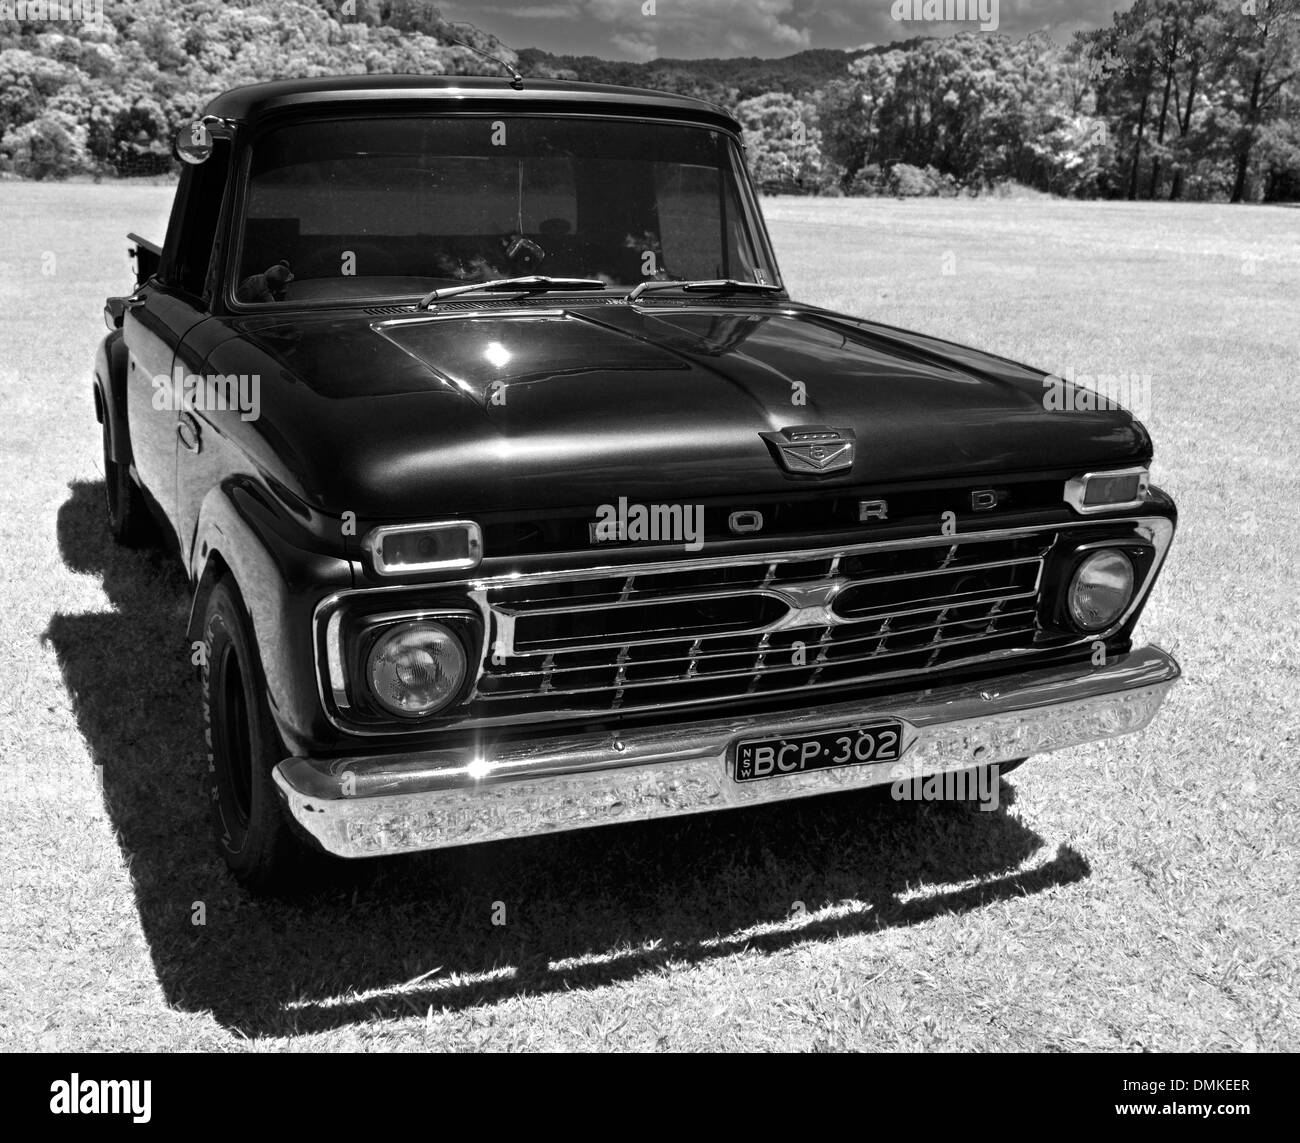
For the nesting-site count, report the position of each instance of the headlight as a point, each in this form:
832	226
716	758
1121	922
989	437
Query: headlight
416	668
1101	589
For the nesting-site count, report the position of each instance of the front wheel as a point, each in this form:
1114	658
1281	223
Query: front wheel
129	522
253	834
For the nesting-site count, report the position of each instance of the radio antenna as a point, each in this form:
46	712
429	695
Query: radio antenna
516	80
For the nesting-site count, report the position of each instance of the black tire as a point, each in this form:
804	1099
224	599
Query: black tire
129	522
252	832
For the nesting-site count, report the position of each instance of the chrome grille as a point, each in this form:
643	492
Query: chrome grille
701	632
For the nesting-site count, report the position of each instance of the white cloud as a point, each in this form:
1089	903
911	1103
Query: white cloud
529	12
639	47
695	28
701	27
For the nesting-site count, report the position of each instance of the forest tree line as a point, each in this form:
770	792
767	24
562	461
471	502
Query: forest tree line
1177	99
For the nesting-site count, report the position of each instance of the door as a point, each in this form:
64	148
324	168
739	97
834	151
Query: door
155	322
159	317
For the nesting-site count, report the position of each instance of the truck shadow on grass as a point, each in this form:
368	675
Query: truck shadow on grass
393	938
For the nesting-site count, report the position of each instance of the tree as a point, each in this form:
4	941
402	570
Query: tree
853	113
782	141
1263	61
53	145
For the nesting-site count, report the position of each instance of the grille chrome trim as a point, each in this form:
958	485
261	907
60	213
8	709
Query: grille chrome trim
798	555
761	670
1156	531
697	657
876	632
767	588
951	602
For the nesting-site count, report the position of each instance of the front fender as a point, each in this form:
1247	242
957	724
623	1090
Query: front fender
281	572
110	395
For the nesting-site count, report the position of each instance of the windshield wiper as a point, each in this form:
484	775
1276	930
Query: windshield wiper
712	285
526	284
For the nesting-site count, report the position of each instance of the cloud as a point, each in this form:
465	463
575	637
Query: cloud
840	23
531	11
637	46
700	27
640	30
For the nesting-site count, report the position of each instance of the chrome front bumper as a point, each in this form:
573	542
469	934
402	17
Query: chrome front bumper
398	803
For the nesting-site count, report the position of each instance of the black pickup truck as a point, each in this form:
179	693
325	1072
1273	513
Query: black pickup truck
517	495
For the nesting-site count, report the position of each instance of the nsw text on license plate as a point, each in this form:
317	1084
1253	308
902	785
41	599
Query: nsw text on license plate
798	754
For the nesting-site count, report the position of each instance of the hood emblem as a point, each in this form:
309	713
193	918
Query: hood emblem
815	450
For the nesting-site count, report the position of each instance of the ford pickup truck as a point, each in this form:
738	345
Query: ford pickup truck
517	494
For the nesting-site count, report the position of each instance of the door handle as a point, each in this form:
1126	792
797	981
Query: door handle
187	428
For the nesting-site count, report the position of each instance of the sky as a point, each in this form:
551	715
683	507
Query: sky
691	29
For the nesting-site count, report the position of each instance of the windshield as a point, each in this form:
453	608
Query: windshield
392	207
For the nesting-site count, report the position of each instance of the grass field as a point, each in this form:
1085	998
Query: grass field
1135	895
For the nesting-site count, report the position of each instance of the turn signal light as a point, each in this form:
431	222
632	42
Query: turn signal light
1105	491
405	548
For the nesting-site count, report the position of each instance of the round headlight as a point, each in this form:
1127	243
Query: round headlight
416	668
1101	589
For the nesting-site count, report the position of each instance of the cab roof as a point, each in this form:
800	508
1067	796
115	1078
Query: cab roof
460	92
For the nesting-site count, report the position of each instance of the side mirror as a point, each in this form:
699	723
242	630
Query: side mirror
114	312
194	141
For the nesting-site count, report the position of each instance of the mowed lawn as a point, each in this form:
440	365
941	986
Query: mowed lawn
1136	895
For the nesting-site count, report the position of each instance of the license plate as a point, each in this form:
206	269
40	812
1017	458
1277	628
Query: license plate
759	758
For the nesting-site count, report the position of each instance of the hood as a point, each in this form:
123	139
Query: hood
492	408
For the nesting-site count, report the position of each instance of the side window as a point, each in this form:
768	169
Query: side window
196	249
